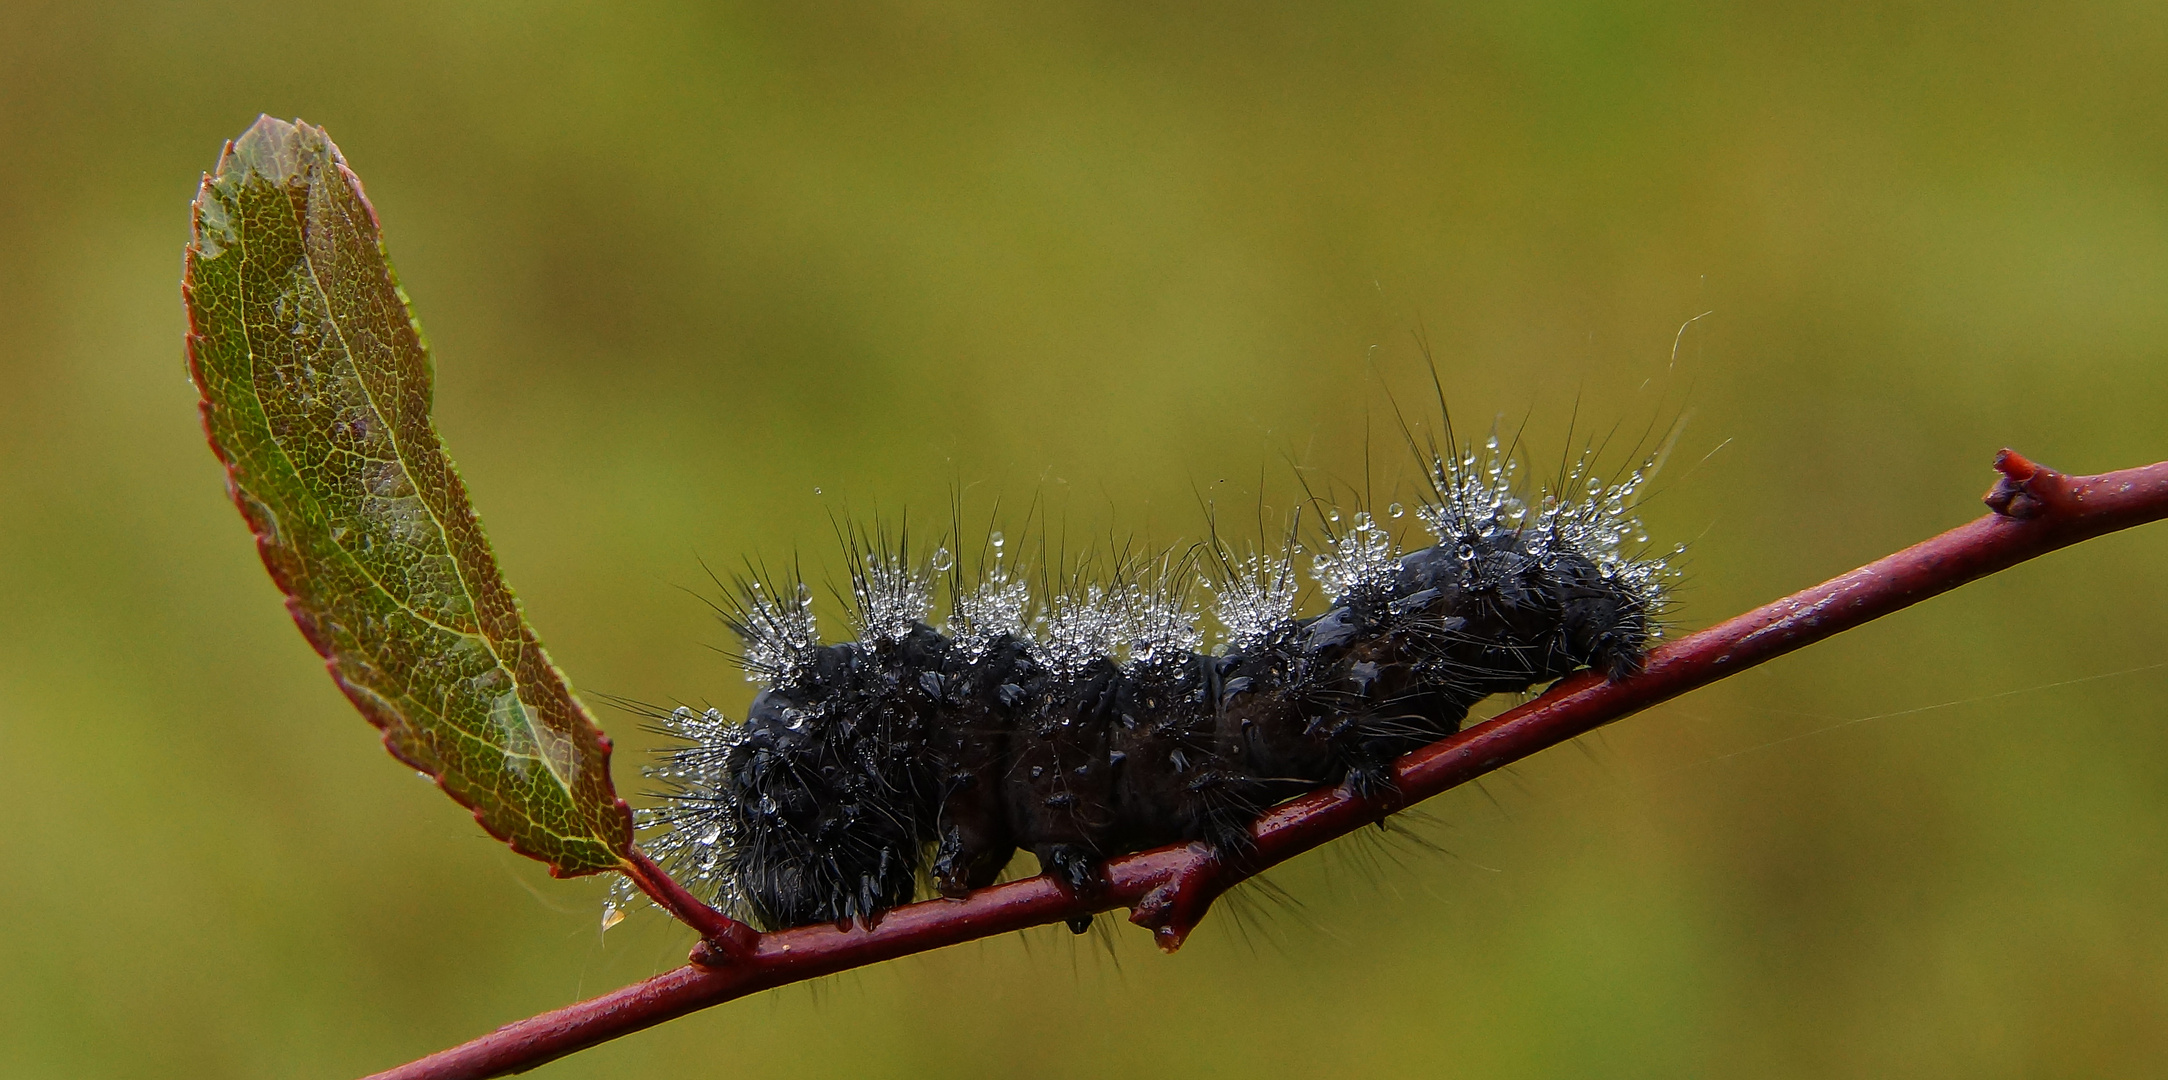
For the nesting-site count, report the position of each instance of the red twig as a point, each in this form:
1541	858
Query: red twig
718	932
2037	510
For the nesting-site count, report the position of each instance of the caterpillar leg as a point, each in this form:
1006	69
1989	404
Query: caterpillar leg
974	841
1079	869
973	850
1060	782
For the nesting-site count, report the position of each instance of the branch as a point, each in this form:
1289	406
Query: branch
719	933
2036	510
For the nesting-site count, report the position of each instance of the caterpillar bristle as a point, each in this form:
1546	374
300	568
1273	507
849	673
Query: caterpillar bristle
971	716
1258	909
773	622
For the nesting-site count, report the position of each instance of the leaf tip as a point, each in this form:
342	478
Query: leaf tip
277	150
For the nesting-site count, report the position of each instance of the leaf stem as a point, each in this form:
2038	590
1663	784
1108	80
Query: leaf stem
2036	510
719	933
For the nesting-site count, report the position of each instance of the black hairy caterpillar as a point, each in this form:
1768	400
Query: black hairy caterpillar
1093	723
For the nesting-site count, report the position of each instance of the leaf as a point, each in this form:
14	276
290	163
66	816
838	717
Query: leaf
316	391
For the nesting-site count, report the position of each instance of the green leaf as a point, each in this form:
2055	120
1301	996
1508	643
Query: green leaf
316	394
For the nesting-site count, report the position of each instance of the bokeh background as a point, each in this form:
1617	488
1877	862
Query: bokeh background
698	275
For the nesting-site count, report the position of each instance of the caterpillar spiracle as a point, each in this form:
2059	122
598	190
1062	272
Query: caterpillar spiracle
970	715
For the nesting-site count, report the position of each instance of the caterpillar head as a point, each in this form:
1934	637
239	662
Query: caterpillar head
814	785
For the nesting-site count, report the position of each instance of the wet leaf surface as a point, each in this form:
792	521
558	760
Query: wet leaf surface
316	391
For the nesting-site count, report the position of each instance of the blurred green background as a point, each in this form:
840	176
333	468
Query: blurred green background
697	275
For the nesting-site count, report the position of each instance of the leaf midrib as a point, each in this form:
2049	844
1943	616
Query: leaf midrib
401	455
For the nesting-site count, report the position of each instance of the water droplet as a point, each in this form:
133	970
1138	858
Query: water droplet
611	916
997	540
816	491
1396	510
942	560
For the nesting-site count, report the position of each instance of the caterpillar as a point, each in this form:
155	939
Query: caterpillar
1088	718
